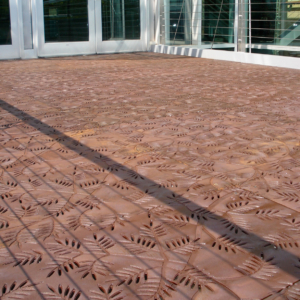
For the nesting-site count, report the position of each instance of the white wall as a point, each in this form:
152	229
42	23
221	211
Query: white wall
257	59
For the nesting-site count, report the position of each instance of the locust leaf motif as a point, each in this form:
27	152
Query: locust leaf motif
153	231
182	245
258	268
139	244
193	277
16	291
132	274
112	292
99	244
94	268
61	292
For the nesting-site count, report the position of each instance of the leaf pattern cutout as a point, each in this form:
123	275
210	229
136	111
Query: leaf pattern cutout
156	288
93	268
85	203
17	291
283	241
159	210
139	244
98	221
61	292
182	245
232	227
3	209
202	215
3	223
269	214
23	211
290	196
176	220
40	230
291	292
62	264
132	274
241	206
65	247
194	278
99	244
258	268
153	231
111	292
230	244
25	258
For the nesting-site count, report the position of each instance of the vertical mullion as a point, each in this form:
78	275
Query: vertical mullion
236	20
123	18
112	19
249	13
199	22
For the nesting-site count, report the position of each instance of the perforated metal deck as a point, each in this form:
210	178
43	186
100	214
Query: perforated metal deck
146	176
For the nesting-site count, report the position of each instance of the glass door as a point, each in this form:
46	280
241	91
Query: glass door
66	27
9	31
122	26
71	27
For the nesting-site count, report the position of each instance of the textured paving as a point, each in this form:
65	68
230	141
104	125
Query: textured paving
145	176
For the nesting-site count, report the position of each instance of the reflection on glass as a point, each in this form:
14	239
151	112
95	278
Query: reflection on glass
212	11
210	24
132	20
5	33
275	22
66	20
198	23
178	18
120	19
112	19
277	52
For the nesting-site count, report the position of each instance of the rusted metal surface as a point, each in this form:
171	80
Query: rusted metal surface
146	176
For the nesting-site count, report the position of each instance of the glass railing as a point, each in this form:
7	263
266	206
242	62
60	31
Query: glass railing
210	24
261	26
275	26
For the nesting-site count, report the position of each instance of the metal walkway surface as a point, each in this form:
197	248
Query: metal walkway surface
148	176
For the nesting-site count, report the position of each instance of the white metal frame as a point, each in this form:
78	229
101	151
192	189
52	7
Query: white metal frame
66	48
29	53
12	51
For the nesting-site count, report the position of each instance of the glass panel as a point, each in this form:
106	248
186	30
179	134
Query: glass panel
132	20
277	52
275	22
5	34
177	18
198	23
218	13
66	20
177	21
120	20
112	20
262	30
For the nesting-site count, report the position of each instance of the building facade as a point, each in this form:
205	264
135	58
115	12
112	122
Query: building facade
41	28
